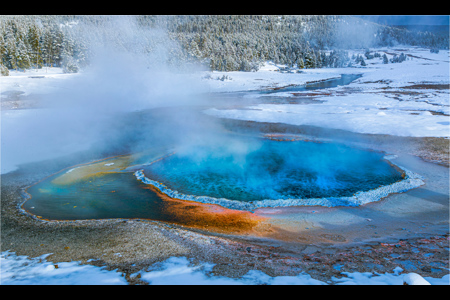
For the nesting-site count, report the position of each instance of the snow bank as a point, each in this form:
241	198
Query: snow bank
35	81
414	279
21	270
179	271
18	270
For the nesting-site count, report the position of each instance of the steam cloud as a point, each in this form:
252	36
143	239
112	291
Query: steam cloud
128	73
98	110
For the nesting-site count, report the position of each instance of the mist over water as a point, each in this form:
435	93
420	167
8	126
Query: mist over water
98	109
264	169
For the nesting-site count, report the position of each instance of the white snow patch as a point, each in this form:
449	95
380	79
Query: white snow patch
362	113
414	279
21	270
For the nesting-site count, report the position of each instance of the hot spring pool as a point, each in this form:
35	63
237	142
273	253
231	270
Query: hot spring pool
272	173
243	174
277	170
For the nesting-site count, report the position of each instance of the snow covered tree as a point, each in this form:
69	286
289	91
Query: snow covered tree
3	70
300	63
10	52
3	51
34	40
368	55
363	63
225	42
194	50
69	65
22	58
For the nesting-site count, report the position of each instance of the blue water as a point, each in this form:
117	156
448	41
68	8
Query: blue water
273	170
113	195
242	169
345	79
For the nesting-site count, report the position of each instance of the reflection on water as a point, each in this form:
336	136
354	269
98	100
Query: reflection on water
330	83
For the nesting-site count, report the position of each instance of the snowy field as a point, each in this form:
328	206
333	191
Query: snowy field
402	99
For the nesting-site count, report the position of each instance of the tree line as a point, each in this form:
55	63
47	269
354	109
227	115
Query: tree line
223	43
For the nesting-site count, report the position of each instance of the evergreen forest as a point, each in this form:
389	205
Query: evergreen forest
216	42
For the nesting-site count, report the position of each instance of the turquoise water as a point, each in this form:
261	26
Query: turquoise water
275	170
114	195
244	170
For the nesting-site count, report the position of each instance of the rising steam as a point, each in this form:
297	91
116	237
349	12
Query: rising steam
89	110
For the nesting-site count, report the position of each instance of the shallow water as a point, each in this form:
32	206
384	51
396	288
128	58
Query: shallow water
111	195
345	79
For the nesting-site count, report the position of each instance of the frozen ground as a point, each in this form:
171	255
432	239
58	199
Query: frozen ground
21	270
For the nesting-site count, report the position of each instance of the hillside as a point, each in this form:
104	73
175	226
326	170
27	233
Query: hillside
222	43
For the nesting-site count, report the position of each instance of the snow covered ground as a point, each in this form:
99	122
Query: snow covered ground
403	99
21	270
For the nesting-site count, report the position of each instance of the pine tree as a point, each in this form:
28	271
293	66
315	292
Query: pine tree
3	51
194	50
10	45
363	63
3	70
69	65
300	63
227	42
23	59
309	58
34	36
